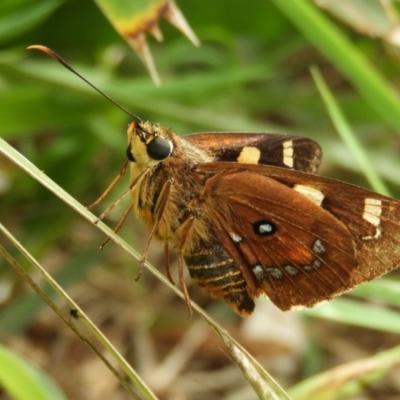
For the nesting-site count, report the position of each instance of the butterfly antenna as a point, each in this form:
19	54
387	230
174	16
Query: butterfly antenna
56	57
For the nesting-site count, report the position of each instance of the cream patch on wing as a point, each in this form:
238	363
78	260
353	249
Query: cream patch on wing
249	155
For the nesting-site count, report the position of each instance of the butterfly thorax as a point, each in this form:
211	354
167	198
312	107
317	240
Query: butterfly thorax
175	174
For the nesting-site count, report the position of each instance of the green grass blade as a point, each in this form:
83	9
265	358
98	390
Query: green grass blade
348	135
358	314
348	379
334	45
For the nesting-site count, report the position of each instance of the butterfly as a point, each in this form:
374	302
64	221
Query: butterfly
249	216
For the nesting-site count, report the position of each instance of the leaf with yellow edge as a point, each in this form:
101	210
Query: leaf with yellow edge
132	19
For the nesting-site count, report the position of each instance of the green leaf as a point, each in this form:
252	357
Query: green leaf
24	382
348	135
133	19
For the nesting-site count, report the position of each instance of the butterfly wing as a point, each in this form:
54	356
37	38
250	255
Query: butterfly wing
299	238
286	151
372	219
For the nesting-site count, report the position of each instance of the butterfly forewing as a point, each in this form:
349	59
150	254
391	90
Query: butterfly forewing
286	151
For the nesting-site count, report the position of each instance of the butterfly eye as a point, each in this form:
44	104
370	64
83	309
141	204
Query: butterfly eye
129	154
159	148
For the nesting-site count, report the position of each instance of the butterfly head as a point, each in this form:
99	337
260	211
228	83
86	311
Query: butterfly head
148	144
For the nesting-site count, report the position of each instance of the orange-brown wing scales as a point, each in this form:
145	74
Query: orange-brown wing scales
372	219
372	223
287	246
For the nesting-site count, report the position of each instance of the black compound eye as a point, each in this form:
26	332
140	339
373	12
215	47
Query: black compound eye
159	148
129	154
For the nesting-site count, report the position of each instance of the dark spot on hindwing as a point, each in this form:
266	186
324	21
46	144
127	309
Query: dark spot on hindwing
316	263
264	228
275	273
281	272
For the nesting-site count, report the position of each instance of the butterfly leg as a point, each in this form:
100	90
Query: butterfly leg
185	227
167	266
121	174
160	207
127	211
119	225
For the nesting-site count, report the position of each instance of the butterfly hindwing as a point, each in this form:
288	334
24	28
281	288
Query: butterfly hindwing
291	249
301	238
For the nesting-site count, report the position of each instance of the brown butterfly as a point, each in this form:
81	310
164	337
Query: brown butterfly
249	217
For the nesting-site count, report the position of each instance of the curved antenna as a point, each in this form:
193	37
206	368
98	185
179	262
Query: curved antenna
59	59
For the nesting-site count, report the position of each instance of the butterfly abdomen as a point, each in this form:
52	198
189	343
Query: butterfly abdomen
212	268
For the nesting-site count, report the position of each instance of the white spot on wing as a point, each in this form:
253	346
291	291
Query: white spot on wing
318	247
265	228
291	270
372	214
276	273
378	233
372	211
316	263
258	272
249	155
288	153
235	237
311	193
